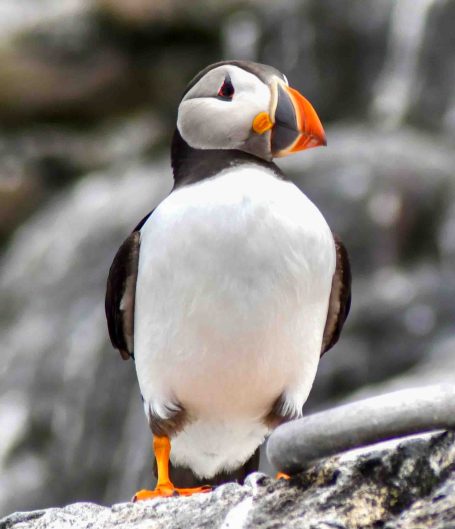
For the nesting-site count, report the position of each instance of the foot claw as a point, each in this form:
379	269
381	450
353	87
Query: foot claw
166	492
195	490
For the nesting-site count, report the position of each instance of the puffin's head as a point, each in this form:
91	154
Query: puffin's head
250	107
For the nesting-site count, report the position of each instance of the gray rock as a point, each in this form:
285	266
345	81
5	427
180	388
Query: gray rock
38	160
86	66
435	368
393	60
411	485
298	444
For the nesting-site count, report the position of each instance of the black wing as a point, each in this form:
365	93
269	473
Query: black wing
121	293
120	296
340	298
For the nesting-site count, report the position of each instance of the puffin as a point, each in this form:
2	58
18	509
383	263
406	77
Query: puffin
227	293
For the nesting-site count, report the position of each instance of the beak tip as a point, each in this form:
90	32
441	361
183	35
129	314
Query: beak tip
296	113
318	133
319	137
318	140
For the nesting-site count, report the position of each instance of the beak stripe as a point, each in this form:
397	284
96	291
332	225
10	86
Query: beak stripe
312	132
297	126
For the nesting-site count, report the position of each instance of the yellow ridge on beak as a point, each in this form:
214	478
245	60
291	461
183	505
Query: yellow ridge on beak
262	123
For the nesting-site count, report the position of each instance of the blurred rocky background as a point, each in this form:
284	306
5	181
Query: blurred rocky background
88	97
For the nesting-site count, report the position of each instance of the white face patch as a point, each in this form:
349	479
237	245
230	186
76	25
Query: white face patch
207	121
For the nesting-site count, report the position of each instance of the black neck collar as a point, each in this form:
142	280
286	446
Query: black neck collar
192	165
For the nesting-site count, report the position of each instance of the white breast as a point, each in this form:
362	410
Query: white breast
232	293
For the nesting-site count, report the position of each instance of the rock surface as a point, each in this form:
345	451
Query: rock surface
299	444
411	485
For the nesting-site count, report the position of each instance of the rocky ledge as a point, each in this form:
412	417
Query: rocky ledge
403	485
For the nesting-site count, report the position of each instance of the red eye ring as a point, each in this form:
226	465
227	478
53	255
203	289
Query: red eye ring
226	90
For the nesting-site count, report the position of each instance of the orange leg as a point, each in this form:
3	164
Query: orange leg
282	475
164	486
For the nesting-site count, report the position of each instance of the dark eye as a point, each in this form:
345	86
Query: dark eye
226	90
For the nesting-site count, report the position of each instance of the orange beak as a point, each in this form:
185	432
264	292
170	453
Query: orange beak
297	126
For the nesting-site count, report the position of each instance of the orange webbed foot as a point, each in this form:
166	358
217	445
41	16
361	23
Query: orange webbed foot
164	487
164	491
282	475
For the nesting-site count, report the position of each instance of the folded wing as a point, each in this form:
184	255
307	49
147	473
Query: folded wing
340	298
